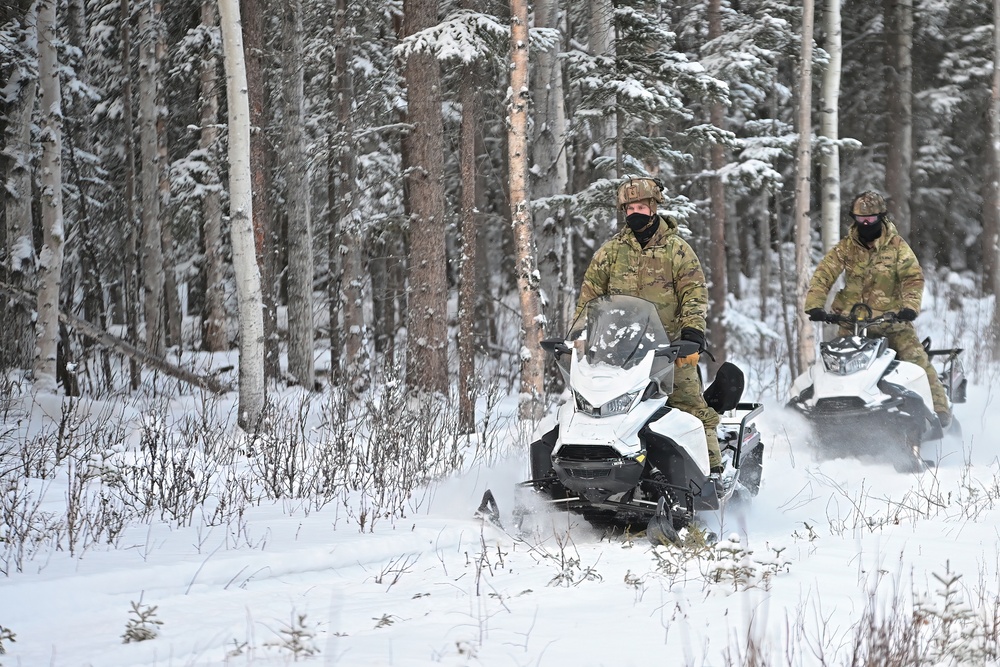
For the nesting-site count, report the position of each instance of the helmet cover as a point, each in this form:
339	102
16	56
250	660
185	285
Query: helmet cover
639	189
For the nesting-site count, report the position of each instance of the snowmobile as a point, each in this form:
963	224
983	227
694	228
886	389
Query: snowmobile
616	452
862	401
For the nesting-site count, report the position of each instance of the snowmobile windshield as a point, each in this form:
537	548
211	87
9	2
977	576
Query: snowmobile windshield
617	330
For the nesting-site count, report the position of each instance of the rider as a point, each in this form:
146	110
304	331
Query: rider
651	261
880	270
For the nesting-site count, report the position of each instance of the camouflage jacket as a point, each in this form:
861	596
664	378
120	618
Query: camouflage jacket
886	276
666	273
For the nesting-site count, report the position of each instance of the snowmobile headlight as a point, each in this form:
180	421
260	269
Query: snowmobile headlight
615	406
845	364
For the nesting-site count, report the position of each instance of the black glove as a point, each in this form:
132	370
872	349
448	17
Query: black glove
695	336
906	315
816	314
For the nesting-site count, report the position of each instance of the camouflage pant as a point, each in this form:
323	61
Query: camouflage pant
687	396
903	339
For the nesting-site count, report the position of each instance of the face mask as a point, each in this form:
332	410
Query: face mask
641	225
868	233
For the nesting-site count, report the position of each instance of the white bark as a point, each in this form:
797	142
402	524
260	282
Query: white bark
53	233
803	166
532	324
248	292
152	248
213	328
300	256
829	120
550	164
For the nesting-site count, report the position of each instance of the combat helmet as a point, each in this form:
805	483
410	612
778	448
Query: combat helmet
868	202
635	189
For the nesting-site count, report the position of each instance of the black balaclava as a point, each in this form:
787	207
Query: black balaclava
868	233
643	226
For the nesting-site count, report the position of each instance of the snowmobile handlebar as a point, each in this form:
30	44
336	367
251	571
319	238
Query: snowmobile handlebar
861	317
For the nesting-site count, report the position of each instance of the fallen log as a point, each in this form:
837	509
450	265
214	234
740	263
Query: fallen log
102	337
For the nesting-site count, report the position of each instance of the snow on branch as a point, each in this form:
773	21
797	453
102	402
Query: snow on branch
468	37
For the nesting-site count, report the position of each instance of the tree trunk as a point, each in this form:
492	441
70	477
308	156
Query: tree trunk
250	302
803	167
300	254
532	324
829	121
130	223
53	229
427	334
899	93
19	253
214	337
721	256
992	242
172	315
549	158
152	242
253	12
470	244
350	269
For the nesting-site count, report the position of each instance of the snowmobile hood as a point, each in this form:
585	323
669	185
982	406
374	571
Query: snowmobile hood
599	382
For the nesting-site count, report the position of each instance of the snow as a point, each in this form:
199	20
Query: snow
827	549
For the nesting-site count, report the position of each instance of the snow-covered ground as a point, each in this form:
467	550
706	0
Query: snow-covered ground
823	542
833	560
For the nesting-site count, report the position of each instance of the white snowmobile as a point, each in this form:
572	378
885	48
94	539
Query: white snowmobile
862	401
617	452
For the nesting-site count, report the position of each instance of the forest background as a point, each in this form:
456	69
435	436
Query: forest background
383	219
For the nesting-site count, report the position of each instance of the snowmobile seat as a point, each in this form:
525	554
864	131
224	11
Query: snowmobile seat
726	390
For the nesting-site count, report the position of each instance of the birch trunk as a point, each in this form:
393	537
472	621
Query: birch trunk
250	302
829	122
899	77
532	324
300	257
803	166
427	342
214	337
721	256
548	148
18	351
53	234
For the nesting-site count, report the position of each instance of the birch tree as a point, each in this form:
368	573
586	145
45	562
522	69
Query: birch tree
829	122
300	256
427	342
803	167
152	243
249	300
532	321
899	93
550	169
53	226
